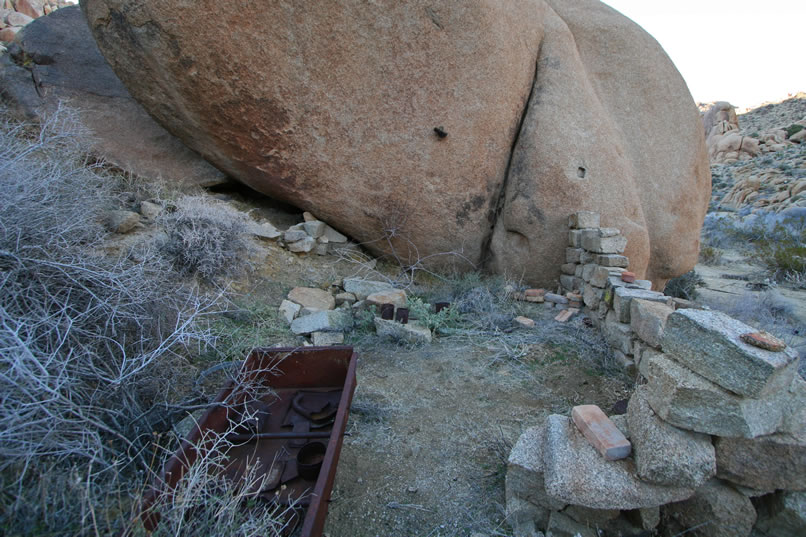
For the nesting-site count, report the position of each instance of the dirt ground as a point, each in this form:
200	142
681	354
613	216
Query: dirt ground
742	289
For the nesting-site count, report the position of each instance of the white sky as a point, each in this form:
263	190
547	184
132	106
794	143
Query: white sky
742	51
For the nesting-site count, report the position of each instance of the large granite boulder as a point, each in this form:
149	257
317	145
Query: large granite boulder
469	127
63	65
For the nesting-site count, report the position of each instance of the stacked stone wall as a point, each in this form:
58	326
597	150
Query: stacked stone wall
717	422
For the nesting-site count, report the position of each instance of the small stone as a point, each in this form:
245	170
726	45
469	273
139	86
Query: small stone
623	295
289	310
641	284
583	219
601	432
568	268
557	299
591	296
535	299
573	255
764	340
294	235
587	271
411	490
333	236
264	230
324	339
18	19
345	298
120	221
618	335
525	321
601	275
363	288
312	298
308	217
302	246
314	228
575	238
392	296
628	277
571	283
321	248
603	241
323	321
611	260
561	525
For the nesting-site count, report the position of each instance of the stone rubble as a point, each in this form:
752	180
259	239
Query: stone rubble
713	422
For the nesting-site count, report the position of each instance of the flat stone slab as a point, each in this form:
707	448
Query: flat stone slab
311	297
603	241
709	343
665	454
601	432
363	288
577	474
776	461
622	296
322	321
690	401
393	296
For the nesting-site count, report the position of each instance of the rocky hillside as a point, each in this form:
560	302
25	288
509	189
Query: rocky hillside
758	159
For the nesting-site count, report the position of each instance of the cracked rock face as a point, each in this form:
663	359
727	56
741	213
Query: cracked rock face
474	127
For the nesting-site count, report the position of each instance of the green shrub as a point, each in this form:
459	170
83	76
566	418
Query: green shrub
793	129
685	286
424	312
710	255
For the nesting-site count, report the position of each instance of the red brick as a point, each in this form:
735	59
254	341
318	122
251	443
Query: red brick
601	432
628	277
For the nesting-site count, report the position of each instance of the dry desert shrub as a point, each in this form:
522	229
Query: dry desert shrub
205	237
88	344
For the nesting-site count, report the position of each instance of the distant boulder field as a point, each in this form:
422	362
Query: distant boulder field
470	129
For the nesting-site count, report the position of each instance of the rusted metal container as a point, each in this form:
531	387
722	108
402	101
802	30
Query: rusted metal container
294	398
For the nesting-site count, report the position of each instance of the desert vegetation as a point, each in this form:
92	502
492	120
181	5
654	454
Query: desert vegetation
98	351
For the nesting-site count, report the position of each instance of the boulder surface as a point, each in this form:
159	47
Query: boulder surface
470	127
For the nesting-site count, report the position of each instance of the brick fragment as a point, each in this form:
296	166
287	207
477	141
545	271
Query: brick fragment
525	322
601	432
628	277
566	315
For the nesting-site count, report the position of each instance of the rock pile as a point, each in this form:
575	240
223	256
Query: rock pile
717	427
313	235
16	14
325	315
